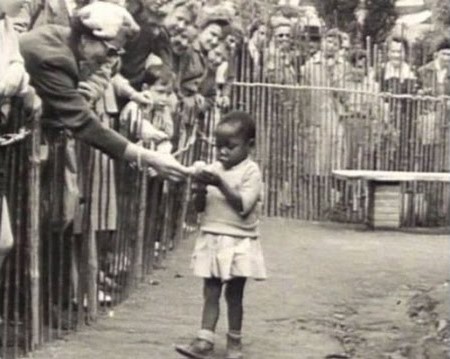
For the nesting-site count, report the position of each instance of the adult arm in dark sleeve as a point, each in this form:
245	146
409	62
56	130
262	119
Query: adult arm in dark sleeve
58	91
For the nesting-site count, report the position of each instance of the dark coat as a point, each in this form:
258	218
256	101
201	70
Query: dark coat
54	70
152	39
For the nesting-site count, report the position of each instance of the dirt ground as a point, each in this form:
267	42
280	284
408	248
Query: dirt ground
333	292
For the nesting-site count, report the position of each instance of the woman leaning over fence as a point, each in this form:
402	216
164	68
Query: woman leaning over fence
13	83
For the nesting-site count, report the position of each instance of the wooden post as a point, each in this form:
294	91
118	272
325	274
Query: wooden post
139	247
33	233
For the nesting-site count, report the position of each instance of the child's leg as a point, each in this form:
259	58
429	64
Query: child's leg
203	344
234	294
212	289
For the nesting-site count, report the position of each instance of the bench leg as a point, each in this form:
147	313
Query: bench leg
384	206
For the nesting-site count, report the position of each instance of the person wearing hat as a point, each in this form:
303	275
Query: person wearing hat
195	77
212	25
52	58
158	24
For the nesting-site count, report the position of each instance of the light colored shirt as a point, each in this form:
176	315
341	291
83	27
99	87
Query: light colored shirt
441	72
9	52
71	5
220	217
403	72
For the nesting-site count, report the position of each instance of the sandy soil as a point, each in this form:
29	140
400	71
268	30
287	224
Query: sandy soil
333	292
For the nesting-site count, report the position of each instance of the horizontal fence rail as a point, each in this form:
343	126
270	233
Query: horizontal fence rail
316	114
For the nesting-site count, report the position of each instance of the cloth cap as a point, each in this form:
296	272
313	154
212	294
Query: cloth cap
108	22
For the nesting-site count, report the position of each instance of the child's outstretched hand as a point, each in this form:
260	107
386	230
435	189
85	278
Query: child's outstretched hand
201	172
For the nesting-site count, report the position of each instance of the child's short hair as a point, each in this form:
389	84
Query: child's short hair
242	119
162	74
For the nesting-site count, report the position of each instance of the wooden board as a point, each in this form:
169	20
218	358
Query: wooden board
392	176
384	204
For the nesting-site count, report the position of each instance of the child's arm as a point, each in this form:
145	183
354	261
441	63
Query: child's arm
244	199
232	195
199	194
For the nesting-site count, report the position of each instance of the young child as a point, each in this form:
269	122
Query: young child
228	250
153	124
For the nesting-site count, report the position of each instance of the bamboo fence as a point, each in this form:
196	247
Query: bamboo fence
325	117
63	273
78	254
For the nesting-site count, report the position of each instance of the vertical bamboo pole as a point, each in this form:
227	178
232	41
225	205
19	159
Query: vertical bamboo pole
139	247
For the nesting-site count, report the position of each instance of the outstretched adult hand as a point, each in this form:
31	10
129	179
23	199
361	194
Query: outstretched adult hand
166	165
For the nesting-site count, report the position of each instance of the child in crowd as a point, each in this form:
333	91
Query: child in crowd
153	123
13	83
228	250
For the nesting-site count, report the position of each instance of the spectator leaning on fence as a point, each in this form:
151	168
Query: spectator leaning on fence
153	124
52	54
13	83
258	39
280	64
396	74
158	25
434	76
397	77
363	110
434	80
227	70
323	108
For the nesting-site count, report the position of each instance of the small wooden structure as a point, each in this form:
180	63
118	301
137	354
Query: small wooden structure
384	192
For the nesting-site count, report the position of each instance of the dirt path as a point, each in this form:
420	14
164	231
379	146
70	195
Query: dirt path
332	292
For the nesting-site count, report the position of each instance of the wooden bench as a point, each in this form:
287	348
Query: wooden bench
384	193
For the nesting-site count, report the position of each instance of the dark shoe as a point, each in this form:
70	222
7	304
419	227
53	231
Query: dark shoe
198	349
234	347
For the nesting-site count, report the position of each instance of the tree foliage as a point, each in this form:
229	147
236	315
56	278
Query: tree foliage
338	13
380	19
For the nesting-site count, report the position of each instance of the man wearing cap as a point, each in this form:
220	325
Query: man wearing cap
52	56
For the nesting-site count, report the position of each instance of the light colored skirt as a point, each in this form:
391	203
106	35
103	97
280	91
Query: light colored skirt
225	257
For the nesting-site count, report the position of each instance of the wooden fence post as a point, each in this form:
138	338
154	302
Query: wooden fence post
33	233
